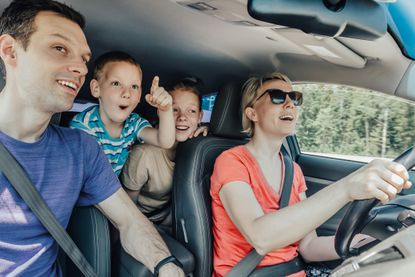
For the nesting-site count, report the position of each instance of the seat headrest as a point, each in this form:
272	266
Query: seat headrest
226	119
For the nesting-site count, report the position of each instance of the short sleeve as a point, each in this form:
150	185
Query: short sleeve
135	172
300	180
139	124
77	122
99	181
228	168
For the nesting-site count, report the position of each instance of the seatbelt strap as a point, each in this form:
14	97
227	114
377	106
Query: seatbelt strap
288	178
24	186
250	261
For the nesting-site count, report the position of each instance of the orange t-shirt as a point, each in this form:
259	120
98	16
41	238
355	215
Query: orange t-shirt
238	164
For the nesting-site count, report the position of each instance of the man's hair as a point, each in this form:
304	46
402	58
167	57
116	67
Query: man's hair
18	19
113	56
249	96
189	86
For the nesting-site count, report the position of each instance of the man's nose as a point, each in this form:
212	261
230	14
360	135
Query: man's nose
79	67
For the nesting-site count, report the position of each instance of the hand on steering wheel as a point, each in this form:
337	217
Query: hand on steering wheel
353	220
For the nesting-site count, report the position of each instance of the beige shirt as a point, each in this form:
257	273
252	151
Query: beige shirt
150	171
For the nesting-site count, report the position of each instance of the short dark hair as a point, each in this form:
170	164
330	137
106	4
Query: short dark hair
112	56
18	18
187	85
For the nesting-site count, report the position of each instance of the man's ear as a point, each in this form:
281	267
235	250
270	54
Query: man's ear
94	87
8	49
251	114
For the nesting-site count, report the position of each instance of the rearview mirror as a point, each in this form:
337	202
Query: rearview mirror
362	19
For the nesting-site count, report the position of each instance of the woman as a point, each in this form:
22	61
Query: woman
147	175
254	173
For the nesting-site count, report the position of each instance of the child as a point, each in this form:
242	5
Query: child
117	85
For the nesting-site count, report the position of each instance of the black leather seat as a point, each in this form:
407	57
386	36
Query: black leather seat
90	231
191	181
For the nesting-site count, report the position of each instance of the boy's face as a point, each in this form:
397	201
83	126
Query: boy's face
118	90
50	72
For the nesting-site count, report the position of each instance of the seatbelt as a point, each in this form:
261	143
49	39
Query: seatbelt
250	261
22	184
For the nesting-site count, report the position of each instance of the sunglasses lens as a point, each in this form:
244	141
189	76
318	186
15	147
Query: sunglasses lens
279	96
296	97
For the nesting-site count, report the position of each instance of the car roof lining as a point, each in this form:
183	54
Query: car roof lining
174	41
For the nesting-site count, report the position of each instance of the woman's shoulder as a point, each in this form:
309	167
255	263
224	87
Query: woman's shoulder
237	153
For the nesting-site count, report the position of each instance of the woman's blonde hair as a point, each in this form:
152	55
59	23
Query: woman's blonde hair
249	96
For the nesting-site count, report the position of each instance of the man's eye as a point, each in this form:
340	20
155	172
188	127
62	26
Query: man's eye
61	49
115	83
175	110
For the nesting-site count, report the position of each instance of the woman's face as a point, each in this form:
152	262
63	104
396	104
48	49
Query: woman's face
274	119
187	113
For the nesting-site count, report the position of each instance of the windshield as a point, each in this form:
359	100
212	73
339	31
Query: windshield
401	20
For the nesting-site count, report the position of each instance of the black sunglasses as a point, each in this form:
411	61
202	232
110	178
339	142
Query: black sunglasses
278	96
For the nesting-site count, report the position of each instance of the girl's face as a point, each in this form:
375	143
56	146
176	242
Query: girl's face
187	113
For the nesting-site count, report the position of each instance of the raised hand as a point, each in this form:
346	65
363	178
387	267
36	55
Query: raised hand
158	96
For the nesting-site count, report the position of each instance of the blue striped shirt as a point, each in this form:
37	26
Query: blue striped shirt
116	150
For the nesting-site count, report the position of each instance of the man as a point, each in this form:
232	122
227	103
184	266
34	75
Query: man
44	52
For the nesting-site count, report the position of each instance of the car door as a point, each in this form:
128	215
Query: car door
341	129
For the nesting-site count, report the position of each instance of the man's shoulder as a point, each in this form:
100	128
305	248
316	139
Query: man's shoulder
70	134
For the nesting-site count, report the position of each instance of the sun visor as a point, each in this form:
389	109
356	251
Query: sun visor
362	19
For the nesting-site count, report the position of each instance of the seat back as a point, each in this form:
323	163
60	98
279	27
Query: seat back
195	158
89	229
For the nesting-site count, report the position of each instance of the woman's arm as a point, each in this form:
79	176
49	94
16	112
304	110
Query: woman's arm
267	232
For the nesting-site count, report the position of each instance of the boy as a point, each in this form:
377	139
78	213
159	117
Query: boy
117	85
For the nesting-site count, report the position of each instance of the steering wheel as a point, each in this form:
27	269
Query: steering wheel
355	218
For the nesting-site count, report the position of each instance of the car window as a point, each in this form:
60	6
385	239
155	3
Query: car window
353	123
207	106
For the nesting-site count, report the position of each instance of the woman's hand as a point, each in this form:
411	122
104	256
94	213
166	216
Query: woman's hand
379	179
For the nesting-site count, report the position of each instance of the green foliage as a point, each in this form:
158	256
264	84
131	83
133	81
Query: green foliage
352	121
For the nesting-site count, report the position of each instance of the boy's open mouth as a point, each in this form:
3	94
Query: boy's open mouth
123	107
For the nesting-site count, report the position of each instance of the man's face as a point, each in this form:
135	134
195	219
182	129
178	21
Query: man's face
51	71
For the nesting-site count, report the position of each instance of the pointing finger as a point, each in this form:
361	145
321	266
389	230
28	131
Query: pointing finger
155	84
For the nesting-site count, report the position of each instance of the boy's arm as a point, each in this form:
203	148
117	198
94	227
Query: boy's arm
164	136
